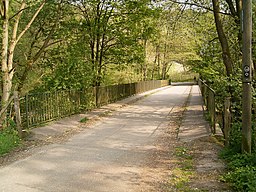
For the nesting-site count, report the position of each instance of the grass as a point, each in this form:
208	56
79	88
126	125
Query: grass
180	179
84	120
184	171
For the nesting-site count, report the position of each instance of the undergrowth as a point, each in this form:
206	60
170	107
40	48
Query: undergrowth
241	173
9	139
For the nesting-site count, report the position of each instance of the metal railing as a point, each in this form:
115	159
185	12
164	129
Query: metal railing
40	108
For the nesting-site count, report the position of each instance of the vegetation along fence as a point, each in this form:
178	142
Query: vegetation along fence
40	108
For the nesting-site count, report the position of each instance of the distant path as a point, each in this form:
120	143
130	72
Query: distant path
109	156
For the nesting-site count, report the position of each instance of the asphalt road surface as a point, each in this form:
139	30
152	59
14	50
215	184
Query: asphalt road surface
106	157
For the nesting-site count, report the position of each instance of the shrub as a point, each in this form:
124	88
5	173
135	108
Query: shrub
243	178
9	139
242	160
242	170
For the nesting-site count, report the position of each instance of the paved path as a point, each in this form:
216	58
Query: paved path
194	125
106	157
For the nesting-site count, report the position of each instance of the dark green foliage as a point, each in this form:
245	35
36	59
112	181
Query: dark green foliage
242	160
241	167
242	170
236	137
242	178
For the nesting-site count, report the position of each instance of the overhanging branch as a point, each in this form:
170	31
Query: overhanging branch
198	5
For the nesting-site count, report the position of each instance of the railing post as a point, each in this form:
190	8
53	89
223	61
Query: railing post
212	111
227	120
17	113
214	114
97	96
26	105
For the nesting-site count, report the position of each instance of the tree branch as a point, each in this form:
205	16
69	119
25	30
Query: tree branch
198	5
231	7
14	40
21	10
31	21
1	10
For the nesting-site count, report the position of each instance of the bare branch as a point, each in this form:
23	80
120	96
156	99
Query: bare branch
21	10
4	6
214	39
14	40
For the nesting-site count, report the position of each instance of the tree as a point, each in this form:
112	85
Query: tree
111	32
9	43
222	10
29	30
36	48
176	41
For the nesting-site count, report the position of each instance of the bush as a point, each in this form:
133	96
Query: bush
242	178
235	138
241	170
242	160
9	139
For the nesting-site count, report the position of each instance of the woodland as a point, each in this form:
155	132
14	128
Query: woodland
51	45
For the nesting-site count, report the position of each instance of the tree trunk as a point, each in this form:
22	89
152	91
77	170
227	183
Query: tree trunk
5	72
155	62
227	60
17	113
165	63
145	66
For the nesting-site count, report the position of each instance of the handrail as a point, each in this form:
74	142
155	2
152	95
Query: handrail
208	95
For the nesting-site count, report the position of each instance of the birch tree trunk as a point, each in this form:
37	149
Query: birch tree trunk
5	72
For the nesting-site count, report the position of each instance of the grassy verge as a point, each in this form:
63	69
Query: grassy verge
183	171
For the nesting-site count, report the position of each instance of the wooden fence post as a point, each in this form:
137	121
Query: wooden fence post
227	120
17	113
97	96
27	111
211	109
